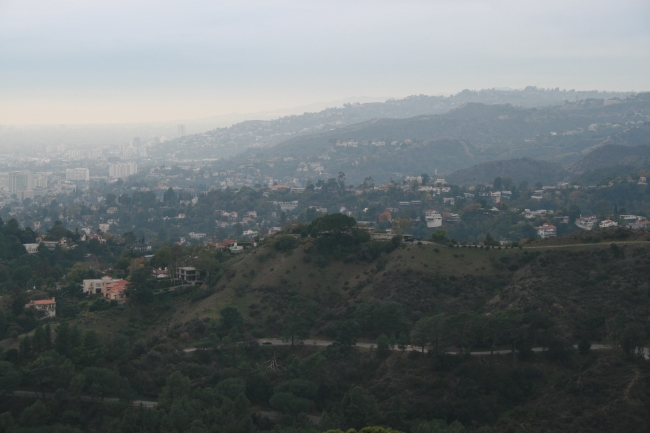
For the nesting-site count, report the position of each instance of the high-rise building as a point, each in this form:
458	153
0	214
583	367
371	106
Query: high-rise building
75	154
122	169
77	174
135	142
129	151
39	180
95	153
181	130
19	181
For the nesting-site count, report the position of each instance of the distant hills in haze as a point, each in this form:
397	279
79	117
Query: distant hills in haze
609	161
472	134
230	141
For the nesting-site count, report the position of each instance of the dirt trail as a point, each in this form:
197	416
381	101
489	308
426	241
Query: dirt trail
637	373
602	244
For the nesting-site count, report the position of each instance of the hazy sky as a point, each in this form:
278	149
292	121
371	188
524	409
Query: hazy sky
69	61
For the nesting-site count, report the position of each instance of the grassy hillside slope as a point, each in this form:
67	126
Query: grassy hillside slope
569	288
589	281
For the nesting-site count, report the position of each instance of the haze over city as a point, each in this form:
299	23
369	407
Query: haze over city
77	62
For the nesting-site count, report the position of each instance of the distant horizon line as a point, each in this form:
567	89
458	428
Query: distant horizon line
277	111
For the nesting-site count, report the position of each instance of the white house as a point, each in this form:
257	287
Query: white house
433	218
97	286
31	248
586	223
608	223
546	231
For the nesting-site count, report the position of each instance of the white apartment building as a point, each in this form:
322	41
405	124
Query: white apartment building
122	169
77	174
129	151
20	181
39	180
76	154
433	218
95	153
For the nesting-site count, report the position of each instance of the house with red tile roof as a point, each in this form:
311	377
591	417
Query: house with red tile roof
116	291
46	306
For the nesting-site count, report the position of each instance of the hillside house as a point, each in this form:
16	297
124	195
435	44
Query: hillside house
46	306
640	225
188	274
546	231
288	205
433	218
236	249
31	248
117	292
608	223
586	223
99	238
562	220
160	273
538	195
97	286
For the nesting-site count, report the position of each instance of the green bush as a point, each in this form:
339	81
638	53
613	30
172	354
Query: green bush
285	243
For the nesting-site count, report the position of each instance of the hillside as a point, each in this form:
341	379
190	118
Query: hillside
612	155
524	169
584	287
608	159
225	142
560	134
569	293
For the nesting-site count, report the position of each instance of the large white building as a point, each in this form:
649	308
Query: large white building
122	169
433	218
20	181
39	180
77	174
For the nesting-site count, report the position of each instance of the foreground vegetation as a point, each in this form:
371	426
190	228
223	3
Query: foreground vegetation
328	281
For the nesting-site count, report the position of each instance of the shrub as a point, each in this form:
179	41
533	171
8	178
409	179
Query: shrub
285	243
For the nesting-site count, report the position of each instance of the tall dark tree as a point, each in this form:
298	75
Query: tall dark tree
141	286
169	196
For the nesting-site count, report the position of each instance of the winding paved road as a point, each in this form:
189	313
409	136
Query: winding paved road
324	343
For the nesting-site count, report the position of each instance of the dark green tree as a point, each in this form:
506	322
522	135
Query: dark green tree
141	286
347	334
383	346
230	317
